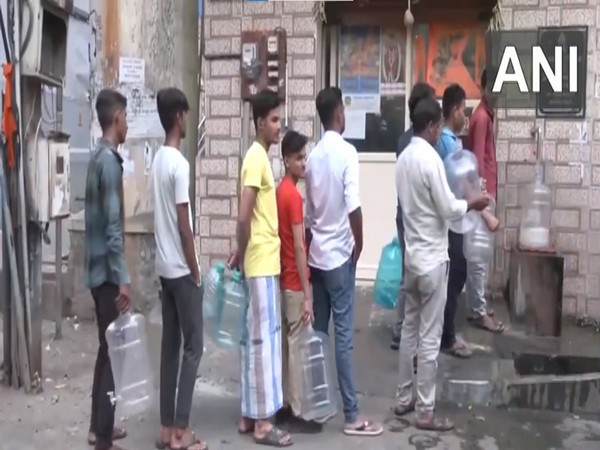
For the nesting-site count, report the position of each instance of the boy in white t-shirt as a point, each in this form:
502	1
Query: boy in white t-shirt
177	267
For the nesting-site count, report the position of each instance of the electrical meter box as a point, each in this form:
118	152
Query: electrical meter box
50	185
44	39
264	60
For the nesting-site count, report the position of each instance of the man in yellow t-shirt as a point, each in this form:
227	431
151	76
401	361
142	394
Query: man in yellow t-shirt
258	255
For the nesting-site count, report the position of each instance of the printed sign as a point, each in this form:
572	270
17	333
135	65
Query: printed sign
545	69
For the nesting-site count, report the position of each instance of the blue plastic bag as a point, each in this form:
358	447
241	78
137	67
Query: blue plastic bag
389	275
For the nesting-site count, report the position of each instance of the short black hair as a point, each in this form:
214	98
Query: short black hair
293	142
426	112
419	92
484	79
170	102
453	97
328	100
263	103
108	103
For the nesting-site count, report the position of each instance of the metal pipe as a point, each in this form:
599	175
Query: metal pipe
23	215
221	56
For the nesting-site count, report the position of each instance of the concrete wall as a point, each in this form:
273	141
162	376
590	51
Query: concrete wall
576	200
218	169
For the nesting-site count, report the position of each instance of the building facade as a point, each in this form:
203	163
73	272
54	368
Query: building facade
318	55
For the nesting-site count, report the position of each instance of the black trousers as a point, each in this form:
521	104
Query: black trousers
181	315
457	277
103	412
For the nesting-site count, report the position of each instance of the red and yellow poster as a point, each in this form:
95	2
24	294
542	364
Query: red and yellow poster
451	53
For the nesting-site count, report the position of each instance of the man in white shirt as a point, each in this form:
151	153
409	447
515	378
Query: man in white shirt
335	242
177	267
427	207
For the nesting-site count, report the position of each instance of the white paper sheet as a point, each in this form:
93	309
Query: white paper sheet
356	124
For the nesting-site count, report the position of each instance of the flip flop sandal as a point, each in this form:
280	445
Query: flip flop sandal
435	425
497	328
367	428
196	444
118	434
274	438
402	410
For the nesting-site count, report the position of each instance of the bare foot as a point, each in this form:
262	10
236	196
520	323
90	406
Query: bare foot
246	425
488	323
166	435
186	439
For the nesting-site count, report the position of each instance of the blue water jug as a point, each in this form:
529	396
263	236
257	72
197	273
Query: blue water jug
214	289
231	312
389	275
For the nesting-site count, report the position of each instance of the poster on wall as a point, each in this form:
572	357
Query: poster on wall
359	69
392	61
451	53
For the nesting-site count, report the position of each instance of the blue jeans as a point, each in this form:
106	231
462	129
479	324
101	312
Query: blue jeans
333	293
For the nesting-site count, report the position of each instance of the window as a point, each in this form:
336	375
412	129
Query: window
370	71
368	64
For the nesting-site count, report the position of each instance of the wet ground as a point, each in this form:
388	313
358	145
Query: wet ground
58	417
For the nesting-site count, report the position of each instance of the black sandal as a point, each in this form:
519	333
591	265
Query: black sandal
275	437
118	434
402	410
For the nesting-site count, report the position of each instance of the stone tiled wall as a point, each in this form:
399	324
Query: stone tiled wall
219	167
576	197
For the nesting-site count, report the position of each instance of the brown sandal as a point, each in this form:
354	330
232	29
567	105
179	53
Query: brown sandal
434	424
275	437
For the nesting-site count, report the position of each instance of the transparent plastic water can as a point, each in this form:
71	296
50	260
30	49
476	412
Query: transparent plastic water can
230	314
214	286
131	365
318	393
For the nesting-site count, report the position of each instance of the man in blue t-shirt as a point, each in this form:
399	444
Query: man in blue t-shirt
419	92
453	108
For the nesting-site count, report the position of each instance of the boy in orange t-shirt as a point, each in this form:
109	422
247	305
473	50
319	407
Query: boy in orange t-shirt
296	293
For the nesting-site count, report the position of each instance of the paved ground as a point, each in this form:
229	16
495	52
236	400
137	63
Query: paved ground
58	418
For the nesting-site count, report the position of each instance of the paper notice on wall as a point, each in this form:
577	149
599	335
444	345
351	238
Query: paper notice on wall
356	125
132	71
367	103
142	116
